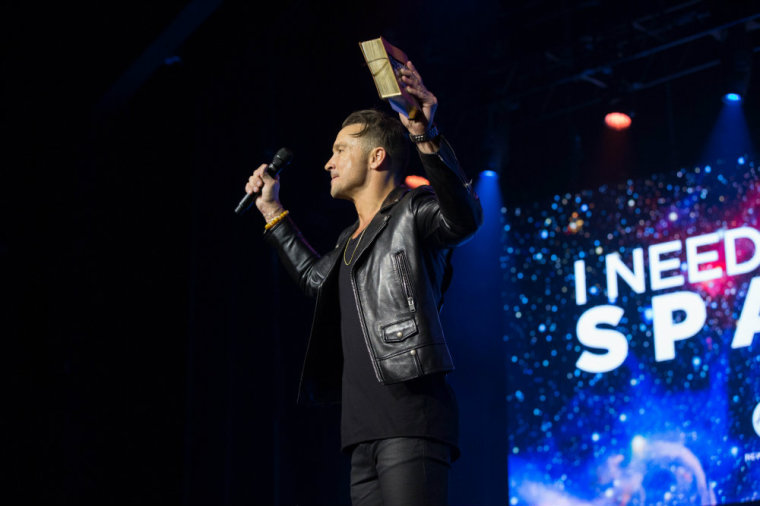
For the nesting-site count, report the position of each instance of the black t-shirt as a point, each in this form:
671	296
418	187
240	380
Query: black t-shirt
423	407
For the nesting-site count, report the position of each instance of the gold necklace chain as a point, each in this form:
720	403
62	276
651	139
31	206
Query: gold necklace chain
348	262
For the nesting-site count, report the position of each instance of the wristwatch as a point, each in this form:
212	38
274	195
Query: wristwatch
430	134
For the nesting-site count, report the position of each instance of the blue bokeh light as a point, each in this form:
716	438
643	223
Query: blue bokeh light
732	98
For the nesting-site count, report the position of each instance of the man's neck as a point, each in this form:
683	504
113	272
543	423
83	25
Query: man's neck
369	202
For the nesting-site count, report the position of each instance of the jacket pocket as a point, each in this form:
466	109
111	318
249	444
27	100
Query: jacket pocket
397	332
406	283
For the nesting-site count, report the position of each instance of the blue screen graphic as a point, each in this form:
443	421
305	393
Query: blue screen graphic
630	316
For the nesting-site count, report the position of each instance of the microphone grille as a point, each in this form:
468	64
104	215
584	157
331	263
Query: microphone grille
285	155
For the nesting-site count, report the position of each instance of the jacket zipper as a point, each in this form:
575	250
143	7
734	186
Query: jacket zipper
403	271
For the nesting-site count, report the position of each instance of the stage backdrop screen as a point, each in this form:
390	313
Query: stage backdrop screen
631	317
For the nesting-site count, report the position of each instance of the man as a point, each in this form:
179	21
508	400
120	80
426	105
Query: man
376	340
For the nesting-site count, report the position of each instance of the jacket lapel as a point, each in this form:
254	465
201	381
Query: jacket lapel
380	220
375	227
373	230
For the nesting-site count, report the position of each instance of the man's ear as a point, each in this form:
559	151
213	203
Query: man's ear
377	156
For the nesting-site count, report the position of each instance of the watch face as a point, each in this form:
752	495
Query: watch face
756	419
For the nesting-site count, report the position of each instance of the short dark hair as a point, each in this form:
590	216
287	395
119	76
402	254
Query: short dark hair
383	130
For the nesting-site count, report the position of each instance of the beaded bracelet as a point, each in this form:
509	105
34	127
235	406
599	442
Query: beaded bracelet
274	221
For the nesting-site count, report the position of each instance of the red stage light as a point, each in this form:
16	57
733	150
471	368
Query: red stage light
617	121
415	181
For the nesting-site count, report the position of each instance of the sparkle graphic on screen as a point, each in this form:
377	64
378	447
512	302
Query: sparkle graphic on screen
678	431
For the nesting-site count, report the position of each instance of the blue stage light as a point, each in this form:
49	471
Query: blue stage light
730	135
489	173
732	97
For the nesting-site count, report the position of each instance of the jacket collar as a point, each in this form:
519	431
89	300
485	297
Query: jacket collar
378	222
393	197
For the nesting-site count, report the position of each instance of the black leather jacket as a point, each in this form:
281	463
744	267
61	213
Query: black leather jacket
398	276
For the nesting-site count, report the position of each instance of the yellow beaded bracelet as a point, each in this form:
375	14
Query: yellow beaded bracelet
274	221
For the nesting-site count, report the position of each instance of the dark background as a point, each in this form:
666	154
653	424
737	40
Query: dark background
155	344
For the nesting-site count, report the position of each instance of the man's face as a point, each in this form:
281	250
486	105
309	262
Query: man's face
348	165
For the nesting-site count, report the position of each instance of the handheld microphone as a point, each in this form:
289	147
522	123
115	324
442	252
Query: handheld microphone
281	159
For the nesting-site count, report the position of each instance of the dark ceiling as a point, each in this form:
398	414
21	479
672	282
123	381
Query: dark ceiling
513	77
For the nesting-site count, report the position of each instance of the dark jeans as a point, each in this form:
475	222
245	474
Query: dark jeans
400	472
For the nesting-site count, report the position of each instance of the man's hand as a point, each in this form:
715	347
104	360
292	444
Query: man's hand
414	86
268	202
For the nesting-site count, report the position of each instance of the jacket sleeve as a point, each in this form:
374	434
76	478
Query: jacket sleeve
455	213
307	268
